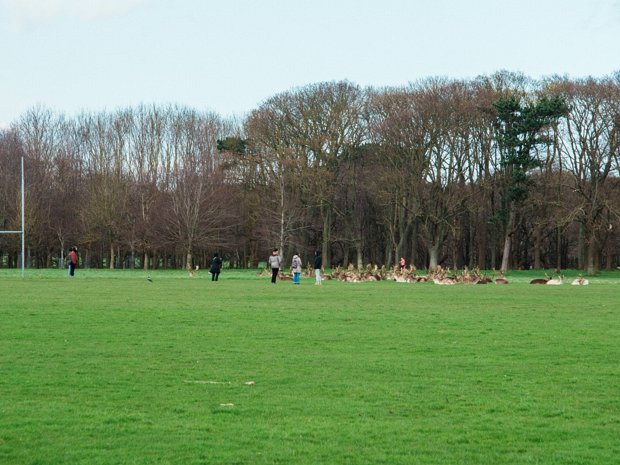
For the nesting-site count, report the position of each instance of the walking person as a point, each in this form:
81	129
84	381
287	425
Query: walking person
296	268
275	261
318	264
216	266
72	260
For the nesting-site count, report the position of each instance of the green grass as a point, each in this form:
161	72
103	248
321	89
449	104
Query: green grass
107	368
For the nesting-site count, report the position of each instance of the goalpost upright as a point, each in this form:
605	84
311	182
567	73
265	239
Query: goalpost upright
22	232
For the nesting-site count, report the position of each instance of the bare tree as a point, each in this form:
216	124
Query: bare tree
147	141
589	147
326	121
277	167
398	128
40	132
195	209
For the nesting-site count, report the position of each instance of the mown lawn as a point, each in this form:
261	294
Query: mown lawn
108	368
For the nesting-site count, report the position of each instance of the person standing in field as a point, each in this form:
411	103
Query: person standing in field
274	262
72	258
318	264
216	266
296	268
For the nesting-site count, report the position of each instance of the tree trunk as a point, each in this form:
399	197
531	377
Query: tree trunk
482	245
591	267
508	239
597	255
580	247
559	250
414	238
358	251
471	244
327	226
435	246
111	256
537	243
388	255
281	238
608	252
433	256
506	253
282	222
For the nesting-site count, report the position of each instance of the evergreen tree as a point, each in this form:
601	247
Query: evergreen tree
519	129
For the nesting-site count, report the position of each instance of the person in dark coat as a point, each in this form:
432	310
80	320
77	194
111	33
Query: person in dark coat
318	264
216	266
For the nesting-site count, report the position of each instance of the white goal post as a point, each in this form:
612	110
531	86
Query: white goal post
22	232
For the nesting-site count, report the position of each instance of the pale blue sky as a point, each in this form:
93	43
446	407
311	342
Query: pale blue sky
228	56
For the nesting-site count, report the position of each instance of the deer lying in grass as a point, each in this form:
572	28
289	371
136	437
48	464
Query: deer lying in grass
580	281
544	280
556	281
440	276
501	279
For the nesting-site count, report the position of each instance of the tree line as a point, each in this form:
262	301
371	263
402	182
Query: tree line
501	171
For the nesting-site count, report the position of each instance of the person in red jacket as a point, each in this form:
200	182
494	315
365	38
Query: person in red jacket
73	260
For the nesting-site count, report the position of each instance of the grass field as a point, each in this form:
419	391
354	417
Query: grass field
108	368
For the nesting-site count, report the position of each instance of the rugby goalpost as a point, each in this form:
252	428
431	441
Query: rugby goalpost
22	232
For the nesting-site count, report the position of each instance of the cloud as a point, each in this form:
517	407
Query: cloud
34	12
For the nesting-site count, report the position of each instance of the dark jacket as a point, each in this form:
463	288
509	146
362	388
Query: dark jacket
216	264
318	261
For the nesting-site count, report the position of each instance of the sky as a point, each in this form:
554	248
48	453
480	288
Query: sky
229	56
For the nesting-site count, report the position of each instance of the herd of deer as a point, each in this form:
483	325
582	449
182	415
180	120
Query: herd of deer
439	275
580	281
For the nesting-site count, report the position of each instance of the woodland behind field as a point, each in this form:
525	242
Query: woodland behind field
500	171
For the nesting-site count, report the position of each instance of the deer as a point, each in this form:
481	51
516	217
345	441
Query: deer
544	280
556	281
192	272
501	279
580	281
